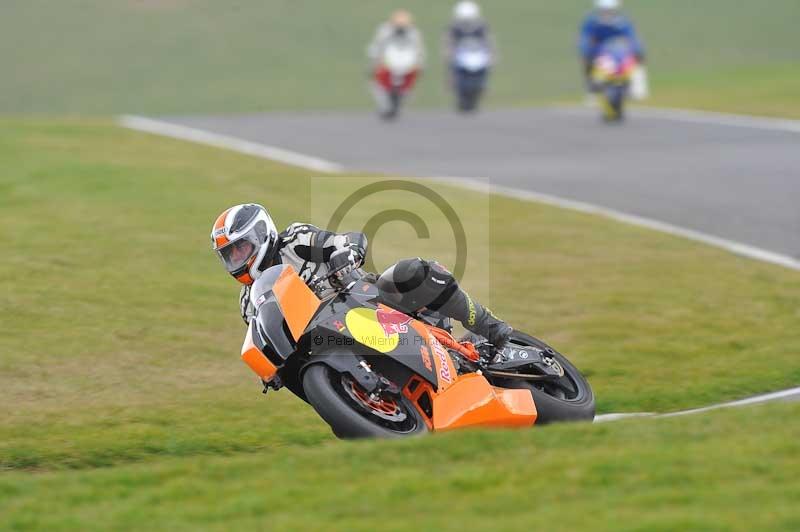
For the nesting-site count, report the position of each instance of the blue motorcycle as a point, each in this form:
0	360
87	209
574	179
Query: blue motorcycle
472	62
612	72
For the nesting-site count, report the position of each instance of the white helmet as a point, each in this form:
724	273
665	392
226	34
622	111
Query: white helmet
243	236
607	4
466	11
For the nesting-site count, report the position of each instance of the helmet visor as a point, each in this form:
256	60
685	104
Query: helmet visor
235	255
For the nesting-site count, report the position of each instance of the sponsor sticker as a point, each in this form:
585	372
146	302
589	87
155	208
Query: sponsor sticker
367	329
426	357
444	359
392	321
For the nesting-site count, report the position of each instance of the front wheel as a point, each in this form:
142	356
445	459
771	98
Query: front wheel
394	100
468	101
613	103
353	413
568	398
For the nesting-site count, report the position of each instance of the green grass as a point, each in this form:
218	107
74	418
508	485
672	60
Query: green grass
124	397
726	470
200	56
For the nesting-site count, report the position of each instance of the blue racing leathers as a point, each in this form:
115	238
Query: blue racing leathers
599	27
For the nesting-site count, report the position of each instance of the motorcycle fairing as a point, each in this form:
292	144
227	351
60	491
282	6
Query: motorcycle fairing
281	292
615	63
390	82
471	401
410	346
297	301
445	399
253	356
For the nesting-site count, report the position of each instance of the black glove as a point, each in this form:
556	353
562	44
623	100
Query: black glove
244	305
344	264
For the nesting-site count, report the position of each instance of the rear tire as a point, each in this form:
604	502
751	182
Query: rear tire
325	392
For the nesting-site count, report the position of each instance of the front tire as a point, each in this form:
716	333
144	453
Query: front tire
569	399
343	405
614	102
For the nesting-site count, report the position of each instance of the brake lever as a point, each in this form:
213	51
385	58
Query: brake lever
316	282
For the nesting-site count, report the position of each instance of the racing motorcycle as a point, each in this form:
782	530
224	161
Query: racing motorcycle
370	370
471	64
612	72
394	77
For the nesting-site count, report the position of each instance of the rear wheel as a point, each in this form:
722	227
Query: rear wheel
353	413
568	398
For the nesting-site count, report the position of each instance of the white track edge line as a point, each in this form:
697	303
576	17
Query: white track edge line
201	136
521	194
757	399
722	119
696	116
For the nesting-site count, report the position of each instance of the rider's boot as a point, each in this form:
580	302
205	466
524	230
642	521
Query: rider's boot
479	320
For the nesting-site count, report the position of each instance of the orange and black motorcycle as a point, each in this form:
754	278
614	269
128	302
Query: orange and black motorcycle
370	370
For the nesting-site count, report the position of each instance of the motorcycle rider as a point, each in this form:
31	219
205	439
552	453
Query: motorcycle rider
467	23
398	30
247	242
604	23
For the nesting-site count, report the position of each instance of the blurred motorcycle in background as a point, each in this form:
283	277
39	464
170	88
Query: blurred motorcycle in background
394	77
617	75
472	62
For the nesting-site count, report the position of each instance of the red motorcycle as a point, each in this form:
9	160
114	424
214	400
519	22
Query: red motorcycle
394	77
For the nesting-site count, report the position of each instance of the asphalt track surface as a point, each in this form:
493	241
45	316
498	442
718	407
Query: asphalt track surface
736	183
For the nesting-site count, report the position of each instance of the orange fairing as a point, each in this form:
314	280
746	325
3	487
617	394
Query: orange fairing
415	389
254	358
471	401
297	301
446	372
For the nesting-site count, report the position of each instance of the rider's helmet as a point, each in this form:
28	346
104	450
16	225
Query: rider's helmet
401	19
466	12
607	5
243	237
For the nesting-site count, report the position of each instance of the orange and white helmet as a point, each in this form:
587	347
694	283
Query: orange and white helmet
243	236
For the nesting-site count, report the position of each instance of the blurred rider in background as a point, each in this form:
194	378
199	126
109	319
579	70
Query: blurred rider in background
467	24
390	81
399	28
604	23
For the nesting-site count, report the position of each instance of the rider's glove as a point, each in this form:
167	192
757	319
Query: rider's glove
244	305
344	263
